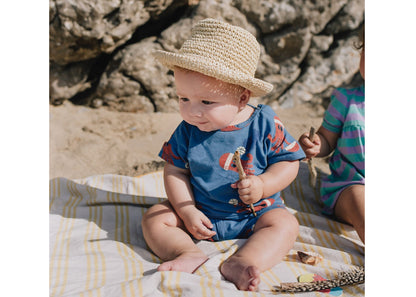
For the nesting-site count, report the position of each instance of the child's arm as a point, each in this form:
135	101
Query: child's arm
179	192
323	143
277	177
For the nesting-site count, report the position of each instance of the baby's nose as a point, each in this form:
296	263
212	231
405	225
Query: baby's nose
195	110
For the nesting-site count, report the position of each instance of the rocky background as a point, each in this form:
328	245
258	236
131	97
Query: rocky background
113	105
100	51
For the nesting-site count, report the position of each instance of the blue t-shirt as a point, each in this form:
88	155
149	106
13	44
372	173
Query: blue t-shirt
208	155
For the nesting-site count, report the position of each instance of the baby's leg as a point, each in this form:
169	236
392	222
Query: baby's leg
274	235
164	233
350	208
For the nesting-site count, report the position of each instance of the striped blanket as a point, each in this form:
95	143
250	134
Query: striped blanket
97	246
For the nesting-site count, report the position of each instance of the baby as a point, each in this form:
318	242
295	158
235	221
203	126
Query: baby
214	77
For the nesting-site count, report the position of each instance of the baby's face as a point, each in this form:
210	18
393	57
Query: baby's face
206	102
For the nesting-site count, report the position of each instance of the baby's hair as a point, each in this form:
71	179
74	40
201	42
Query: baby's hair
361	38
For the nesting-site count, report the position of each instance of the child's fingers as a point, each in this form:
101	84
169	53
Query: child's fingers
244	183
246	198
206	222
244	192
305	141
204	232
241	184
207	233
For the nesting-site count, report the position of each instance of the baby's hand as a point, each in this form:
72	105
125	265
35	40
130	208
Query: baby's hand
311	148
250	189
197	223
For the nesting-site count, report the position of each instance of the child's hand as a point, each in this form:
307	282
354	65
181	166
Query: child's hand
311	148
250	189
197	223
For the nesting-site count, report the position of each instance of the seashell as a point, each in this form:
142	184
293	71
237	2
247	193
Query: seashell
309	258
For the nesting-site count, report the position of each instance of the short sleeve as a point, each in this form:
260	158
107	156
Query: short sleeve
281	146
175	150
334	116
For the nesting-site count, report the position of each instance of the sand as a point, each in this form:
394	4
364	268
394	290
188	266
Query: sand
86	141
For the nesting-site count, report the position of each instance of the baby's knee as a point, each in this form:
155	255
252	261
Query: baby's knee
283	220
289	223
147	218
153	215
293	224
159	215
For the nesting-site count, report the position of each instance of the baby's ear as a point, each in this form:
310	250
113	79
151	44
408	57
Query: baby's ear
245	97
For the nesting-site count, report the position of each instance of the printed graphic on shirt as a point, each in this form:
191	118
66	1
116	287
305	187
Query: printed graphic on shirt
227	163
167	153
279	141
245	208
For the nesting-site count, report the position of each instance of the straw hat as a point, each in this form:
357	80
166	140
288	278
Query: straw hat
217	49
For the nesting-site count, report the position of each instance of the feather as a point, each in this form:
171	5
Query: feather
344	278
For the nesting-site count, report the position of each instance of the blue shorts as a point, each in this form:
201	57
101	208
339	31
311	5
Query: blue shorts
239	228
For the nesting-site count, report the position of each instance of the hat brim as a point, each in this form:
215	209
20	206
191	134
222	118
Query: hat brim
208	67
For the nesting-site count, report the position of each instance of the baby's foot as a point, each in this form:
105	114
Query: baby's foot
245	277
187	262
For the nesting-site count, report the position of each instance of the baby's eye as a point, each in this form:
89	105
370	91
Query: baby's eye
183	99
207	102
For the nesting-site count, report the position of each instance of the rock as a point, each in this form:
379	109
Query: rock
133	77
100	51
324	73
269	16
289	49
321	43
272	16
67	81
320	13
83	29
349	18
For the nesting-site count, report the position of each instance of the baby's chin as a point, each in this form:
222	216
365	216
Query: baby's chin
203	127
207	127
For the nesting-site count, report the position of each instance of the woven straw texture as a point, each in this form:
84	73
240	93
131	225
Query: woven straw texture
217	49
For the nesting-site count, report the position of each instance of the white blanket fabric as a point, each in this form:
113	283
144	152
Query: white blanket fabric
97	247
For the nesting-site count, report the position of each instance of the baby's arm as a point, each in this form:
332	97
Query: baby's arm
323	143
277	177
179	192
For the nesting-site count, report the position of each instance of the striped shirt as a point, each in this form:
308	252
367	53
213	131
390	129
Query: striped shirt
345	116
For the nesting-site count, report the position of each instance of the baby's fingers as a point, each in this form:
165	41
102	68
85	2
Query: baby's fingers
204	233
244	192
244	183
206	222
204	230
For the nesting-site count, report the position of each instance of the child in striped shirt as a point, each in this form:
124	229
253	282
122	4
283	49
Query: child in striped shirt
343	132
